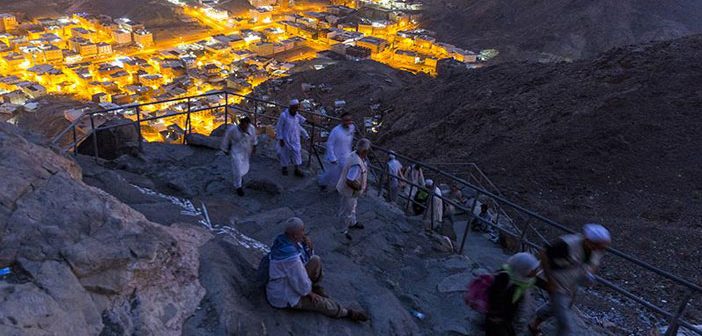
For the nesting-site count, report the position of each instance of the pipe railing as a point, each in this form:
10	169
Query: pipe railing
676	320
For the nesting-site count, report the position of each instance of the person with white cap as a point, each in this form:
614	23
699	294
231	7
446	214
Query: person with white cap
394	176
294	273
240	143
288	132
568	262
339	146
352	184
507	293
435	214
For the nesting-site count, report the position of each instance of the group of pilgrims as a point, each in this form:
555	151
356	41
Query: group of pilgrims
292	271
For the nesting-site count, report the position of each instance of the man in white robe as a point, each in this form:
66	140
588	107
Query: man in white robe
435	210
394	176
339	146
240	143
352	185
288	132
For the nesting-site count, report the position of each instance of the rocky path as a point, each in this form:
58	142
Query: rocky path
391	269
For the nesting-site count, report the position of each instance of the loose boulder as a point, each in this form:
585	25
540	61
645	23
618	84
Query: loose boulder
115	138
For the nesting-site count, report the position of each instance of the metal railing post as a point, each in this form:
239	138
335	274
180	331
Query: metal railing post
312	149
380	181
409	198
94	133
255	112
431	212
522	244
141	139
226	109
674	323
187	121
75	142
470	221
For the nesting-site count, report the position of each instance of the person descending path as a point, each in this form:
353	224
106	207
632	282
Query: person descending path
240	143
288	132
506	294
352	184
339	147
415	175
434	212
394	176
568	262
294	274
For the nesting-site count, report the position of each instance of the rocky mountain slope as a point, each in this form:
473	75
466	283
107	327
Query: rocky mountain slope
559	29
82	262
610	139
613	139
86	262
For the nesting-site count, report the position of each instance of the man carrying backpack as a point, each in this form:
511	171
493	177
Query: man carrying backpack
294	275
506	294
568	262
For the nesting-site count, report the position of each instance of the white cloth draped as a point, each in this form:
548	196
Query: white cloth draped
239	145
339	146
289	129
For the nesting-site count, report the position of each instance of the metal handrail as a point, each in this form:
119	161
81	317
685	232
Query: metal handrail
479	191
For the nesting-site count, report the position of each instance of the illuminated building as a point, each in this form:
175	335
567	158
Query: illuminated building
8	22
216	14
265	3
374	44
143	38
100	97
262	48
260	15
83	33
121	36
357	53
70	57
151	80
33	90
52	54
104	48
129	25
15	97
75	44
13	61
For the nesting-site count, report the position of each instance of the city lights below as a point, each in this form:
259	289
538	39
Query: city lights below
117	62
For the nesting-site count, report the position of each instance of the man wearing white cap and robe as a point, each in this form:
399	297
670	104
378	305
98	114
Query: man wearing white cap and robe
240	143
287	132
339	146
394	176
436	212
352	185
568	262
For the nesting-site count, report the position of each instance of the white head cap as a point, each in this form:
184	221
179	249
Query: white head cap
293	224
597	233
522	264
429	182
363	144
294	102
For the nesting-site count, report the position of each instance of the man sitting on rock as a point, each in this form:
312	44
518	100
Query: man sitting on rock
294	274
